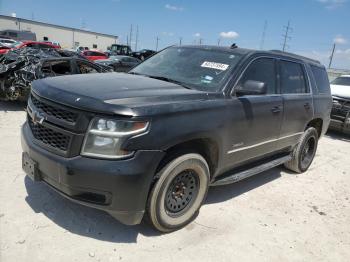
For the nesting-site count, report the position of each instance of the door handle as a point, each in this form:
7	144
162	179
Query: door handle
307	106
276	109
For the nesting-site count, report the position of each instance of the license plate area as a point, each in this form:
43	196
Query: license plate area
30	167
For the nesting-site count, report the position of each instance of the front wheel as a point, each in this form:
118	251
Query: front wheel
304	152
177	196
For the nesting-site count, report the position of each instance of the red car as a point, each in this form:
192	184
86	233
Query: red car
33	44
94	55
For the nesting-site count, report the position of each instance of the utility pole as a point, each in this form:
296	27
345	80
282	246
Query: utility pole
263	36
286	36
157	40
130	37
331	57
137	37
219	40
180	41
127	39
200	41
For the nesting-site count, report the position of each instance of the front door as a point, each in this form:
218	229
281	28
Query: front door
255	119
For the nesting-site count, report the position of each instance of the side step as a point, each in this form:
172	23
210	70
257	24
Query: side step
250	172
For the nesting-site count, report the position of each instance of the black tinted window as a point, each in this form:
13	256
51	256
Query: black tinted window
292	78
321	79
262	70
342	81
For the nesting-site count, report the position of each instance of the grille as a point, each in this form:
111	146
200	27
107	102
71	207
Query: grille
49	137
54	111
340	109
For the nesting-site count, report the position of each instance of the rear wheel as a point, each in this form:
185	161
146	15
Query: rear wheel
304	152
178	194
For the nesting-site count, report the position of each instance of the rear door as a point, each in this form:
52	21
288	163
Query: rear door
297	101
255	119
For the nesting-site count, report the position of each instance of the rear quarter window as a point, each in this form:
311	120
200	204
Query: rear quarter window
321	79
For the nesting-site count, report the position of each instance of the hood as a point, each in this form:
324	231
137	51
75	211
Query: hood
340	91
119	93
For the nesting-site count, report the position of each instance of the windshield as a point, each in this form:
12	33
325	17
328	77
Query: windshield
197	68
342	81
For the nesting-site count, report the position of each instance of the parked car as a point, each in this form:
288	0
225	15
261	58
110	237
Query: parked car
152	141
19	68
94	55
53	43
8	42
81	48
30	44
18	35
340	117
143	54
120	63
117	49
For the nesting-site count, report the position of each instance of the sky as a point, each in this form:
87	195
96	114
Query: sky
315	24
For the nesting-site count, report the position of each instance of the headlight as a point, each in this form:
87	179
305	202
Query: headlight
106	136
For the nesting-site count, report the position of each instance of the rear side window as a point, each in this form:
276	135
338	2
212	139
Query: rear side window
262	70
321	79
292	78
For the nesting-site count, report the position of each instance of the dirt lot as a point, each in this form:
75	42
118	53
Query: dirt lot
274	216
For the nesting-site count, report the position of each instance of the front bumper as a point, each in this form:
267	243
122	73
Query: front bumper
118	187
340	126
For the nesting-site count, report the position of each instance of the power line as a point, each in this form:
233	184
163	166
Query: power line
263	36
130	37
286	36
157	41
137	37
331	57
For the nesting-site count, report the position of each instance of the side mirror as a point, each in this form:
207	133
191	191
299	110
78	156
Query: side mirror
251	87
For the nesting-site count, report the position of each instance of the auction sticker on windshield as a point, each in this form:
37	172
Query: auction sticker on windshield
214	65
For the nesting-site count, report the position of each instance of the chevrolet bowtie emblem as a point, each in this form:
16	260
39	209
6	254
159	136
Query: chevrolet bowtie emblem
38	118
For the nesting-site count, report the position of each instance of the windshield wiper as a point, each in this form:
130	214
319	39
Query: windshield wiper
166	79
134	73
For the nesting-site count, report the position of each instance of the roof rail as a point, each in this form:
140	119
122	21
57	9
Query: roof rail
296	56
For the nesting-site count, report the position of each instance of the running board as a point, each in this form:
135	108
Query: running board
250	172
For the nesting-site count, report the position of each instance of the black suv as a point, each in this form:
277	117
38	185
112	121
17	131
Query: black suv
153	140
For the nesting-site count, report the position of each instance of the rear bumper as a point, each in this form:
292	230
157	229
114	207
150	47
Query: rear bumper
118	187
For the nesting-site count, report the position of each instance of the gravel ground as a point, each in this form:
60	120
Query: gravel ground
274	216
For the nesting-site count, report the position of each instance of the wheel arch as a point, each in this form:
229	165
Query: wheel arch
316	123
208	148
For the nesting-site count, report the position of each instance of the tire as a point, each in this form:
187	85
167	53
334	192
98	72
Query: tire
142	58
304	152
178	194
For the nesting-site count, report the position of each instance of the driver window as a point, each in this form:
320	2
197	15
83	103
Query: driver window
262	70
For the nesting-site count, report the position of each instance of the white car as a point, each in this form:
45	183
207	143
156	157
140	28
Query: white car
7	42
340	116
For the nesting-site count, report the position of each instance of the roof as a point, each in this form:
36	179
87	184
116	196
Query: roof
53	25
245	51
